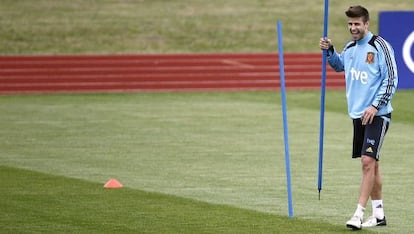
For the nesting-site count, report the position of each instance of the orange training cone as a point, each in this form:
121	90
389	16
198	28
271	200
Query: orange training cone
113	183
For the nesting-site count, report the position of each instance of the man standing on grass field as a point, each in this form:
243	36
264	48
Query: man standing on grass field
371	80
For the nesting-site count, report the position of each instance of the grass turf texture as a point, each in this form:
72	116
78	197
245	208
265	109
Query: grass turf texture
62	205
158	26
212	160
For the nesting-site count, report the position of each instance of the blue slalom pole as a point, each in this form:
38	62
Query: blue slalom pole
285	125
322	108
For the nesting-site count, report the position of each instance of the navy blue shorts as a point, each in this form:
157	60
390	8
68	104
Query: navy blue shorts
368	138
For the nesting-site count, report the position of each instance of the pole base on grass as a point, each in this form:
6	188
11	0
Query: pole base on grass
113	183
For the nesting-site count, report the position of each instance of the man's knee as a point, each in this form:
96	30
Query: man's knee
369	164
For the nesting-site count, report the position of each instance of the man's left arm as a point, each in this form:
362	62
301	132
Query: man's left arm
388	73
389	81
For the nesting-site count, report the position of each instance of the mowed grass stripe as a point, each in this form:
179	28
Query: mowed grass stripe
34	202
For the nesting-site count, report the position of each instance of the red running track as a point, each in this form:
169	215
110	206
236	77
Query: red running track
161	72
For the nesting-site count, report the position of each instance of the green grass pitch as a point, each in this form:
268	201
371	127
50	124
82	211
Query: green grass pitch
190	162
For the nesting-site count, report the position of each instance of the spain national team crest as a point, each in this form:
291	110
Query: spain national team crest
370	58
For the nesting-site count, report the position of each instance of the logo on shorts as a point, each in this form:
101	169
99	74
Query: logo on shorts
370	58
369	150
371	141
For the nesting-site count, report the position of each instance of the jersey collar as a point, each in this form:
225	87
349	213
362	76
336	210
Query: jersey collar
365	39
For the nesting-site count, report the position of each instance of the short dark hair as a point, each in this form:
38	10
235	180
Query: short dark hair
358	11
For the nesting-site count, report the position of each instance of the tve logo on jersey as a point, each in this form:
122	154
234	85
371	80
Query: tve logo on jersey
397	28
359	75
